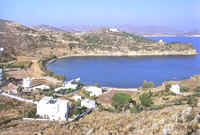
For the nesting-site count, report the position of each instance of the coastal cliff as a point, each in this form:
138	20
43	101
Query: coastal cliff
17	39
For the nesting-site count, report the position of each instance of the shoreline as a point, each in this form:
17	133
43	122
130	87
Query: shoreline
123	55
119	88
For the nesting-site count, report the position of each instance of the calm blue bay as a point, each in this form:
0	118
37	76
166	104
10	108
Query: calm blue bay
129	72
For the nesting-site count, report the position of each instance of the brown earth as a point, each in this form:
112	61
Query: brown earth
105	123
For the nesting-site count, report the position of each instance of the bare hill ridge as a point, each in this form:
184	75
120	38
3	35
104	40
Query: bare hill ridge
18	39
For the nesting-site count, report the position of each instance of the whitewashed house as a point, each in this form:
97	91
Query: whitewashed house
113	30
1	49
27	83
88	103
175	88
94	91
67	85
53	109
42	87
77	98
161	42
77	80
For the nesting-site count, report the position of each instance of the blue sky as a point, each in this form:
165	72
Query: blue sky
184	14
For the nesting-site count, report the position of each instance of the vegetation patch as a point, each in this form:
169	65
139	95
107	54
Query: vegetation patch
121	101
197	92
184	89
42	64
146	99
136	37
92	39
23	64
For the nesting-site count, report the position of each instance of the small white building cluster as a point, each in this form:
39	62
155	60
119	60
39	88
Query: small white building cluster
94	91
161	42
175	88
67	85
88	103
42	87
113	30
27	84
53	109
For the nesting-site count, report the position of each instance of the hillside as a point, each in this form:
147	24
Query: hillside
18	39
45	28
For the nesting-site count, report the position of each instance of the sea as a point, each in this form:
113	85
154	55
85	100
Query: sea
130	72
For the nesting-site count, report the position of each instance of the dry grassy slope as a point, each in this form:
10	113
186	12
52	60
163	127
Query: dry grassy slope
10	108
173	119
18	39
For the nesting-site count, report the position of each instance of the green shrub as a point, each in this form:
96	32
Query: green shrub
184	89
197	92
76	111
101	107
110	109
136	109
32	113
178	102
197	89
146	99
192	101
157	107
2	107
19	89
121	101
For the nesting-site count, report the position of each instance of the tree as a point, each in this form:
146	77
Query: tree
19	89
146	99
121	101
151	84
145	84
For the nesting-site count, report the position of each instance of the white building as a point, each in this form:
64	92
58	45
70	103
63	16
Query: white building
77	80
67	85
113	30
26	83
53	109
88	103
161	42
1	49
77	98
175	88
42	87
94	91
